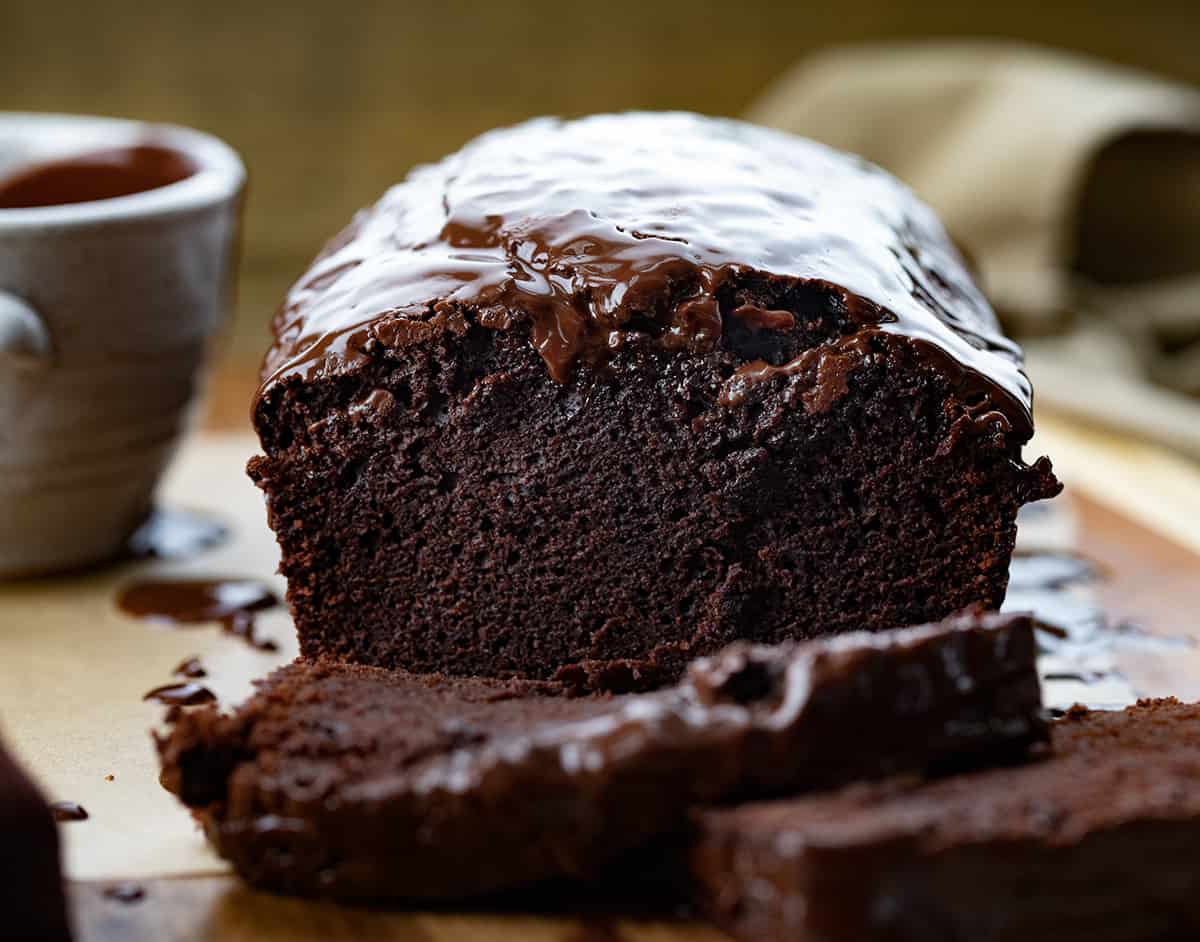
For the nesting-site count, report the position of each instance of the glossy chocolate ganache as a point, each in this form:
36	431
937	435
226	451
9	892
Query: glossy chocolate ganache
590	231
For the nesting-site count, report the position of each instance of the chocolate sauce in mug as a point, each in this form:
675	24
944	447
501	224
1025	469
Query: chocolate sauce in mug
95	175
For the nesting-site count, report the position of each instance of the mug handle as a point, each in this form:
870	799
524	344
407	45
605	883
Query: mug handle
24	338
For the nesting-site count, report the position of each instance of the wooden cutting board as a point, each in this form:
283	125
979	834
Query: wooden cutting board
79	717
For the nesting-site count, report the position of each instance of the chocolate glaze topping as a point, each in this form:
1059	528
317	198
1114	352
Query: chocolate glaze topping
96	175
592	230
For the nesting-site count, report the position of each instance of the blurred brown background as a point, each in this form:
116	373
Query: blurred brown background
329	102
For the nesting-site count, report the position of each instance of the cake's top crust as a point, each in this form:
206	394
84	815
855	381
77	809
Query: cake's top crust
589	230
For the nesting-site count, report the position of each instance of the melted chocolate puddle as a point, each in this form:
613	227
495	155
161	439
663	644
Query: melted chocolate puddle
68	811
175	534
185	694
190	668
242	625
232	603
1080	646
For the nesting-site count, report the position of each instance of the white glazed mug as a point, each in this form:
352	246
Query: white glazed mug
107	310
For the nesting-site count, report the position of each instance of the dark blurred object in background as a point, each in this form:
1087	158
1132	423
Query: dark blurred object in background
330	102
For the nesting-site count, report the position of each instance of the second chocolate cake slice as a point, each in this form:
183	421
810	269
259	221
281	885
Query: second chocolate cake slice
1094	843
359	783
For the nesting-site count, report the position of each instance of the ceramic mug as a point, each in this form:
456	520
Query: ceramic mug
107	310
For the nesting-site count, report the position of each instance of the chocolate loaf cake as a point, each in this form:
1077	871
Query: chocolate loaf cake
33	904
1096	844
589	398
359	783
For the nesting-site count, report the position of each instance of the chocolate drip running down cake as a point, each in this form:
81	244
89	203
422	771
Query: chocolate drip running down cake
360	783
32	901
1095	843
586	399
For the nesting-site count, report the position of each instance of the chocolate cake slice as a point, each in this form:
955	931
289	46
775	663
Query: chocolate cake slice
359	783
1096	843
33	904
587	399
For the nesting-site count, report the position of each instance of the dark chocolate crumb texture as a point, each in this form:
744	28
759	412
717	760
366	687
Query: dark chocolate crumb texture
354	782
1094	843
33	903
589	398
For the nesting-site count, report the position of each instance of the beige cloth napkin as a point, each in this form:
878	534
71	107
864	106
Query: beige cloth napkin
1073	185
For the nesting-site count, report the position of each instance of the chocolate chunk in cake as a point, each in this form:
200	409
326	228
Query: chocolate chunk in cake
359	783
588	399
1096	842
32	902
